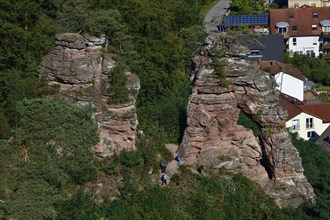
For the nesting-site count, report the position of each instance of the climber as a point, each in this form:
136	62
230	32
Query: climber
164	179
163	166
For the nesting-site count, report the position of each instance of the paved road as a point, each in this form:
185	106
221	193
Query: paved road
217	12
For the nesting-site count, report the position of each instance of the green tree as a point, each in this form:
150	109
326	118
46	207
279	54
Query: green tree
248	6
117	90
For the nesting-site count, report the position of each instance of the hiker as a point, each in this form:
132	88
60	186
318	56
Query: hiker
163	166
164	179
178	158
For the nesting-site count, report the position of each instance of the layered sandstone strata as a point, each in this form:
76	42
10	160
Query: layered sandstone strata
78	70
214	140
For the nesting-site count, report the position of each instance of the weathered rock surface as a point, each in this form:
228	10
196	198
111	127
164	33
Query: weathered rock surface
214	140
79	71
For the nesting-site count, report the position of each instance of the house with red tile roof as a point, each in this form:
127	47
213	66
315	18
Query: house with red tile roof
308	120
306	30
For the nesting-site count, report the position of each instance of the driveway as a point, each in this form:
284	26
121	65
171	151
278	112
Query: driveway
215	15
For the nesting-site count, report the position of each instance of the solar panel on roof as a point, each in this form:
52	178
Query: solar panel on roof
235	20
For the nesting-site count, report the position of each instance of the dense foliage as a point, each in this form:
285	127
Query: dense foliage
247	7
118	92
316	163
48	169
49	153
313	68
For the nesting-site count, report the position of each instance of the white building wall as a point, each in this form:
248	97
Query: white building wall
290	85
319	127
318	3
305	43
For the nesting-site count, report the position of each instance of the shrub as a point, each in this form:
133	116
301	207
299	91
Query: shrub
130	158
176	179
117	90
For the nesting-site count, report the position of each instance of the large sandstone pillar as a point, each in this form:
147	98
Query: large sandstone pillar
214	140
78	70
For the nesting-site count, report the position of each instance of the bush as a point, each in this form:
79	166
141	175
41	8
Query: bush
176	179
117	90
130	158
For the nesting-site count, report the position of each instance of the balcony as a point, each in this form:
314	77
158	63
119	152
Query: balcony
325	34
295	127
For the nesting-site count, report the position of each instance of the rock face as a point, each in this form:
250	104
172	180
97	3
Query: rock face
214	140
79	71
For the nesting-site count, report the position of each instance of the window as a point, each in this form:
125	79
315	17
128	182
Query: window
315	15
295	27
295	124
326	28
310	134
282	30
294	41
309	52
314	26
290	15
309	123
255	52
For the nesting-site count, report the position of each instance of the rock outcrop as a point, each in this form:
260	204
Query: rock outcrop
214	140
79	71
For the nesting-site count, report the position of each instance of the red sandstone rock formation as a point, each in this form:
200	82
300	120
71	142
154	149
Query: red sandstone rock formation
213	139
78	70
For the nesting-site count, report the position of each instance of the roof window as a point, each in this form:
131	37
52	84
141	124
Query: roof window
315	15
295	28
325	22
314	26
281	24
291	16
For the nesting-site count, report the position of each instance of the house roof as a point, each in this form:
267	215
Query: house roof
320	110
302	18
287	103
272	46
324	139
309	83
274	67
252	42
237	20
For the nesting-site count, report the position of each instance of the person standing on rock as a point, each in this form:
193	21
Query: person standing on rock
163	166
